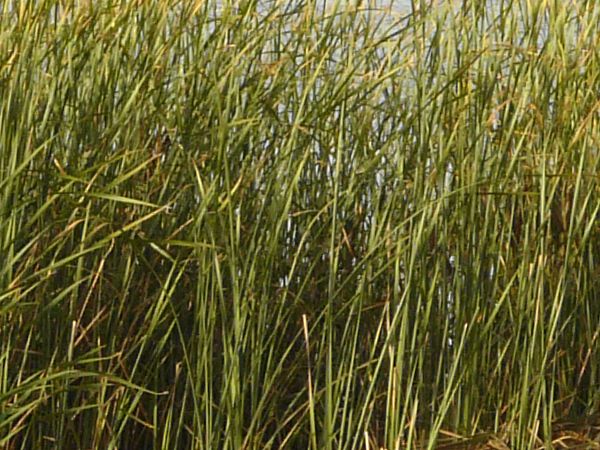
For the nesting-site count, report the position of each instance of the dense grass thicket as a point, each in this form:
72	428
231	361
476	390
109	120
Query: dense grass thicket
233	225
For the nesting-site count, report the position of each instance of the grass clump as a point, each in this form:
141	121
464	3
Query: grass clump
295	225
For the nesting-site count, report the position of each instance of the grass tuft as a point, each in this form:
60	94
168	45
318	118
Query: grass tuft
295	225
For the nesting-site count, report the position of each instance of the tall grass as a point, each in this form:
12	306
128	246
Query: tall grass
289	225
